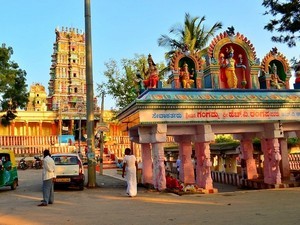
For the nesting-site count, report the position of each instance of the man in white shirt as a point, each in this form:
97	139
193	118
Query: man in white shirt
48	175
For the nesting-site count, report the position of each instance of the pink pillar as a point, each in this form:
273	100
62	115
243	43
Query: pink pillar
285	158
159	176
202	151
186	170
203	171
247	155
277	159
272	158
147	164
156	135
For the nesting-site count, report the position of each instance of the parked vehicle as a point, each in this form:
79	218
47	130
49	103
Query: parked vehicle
8	169
69	170
37	162
23	164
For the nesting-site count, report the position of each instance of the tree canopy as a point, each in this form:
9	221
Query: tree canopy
122	80
13	87
286	20
191	36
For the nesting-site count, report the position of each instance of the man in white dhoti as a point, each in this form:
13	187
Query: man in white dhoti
130	166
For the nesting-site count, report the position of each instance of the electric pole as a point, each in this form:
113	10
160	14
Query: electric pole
89	97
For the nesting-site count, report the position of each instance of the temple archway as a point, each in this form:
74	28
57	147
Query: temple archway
243	54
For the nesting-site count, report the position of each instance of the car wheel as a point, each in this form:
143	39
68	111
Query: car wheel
14	185
81	186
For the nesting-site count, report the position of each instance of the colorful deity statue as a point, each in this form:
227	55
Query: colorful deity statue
186	77
139	82
297	72
275	80
222	68
151	75
228	68
243	67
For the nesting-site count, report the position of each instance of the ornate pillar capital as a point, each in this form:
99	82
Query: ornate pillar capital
154	134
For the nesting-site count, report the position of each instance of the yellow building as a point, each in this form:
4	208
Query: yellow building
63	110
37	98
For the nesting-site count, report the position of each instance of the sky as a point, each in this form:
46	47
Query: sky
121	29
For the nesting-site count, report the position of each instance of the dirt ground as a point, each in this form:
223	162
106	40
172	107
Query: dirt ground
109	205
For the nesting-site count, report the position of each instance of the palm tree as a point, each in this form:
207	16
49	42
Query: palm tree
192	36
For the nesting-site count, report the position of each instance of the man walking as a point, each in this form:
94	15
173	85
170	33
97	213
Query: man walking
48	175
130	166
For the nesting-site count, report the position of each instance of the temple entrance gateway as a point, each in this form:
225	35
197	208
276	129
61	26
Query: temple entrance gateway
197	127
217	102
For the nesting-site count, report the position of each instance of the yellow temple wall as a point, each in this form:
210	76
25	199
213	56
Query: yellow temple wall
31	123
33	131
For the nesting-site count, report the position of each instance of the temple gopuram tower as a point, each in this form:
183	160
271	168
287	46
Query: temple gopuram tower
67	84
37	98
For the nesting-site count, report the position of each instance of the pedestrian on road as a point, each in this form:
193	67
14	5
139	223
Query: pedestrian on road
48	175
178	162
130	166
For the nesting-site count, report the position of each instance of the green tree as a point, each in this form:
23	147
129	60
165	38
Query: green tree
122	81
191	36
286	20
13	87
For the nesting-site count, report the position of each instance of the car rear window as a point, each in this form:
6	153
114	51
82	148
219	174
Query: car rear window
65	160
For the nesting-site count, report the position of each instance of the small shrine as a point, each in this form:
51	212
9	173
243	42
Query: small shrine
228	91
275	71
186	70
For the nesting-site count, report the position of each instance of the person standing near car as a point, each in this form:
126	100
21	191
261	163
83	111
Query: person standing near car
130	166
48	175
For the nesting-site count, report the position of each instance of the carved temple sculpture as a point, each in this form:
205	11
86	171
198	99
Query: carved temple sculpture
275	71
218	93
186	66
151	75
297	75
231	63
186	77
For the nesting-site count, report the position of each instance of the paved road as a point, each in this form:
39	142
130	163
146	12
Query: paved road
108	205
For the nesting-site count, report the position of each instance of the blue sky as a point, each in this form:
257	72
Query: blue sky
120	29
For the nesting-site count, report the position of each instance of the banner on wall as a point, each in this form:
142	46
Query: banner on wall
215	115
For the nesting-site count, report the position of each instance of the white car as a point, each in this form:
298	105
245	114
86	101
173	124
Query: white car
69	170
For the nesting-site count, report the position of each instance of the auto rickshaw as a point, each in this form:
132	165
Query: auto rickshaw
8	169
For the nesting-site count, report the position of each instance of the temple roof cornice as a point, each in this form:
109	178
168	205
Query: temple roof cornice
169	99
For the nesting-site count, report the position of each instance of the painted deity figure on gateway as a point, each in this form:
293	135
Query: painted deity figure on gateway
151	75
227	65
